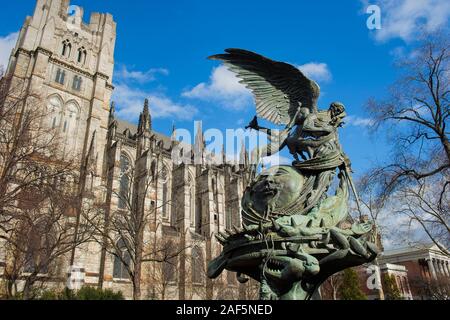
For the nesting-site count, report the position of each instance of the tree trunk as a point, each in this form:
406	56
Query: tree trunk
137	278
446	145
27	288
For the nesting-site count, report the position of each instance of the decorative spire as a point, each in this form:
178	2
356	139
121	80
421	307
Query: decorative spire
199	145
173	136
145	119
224	155
146	109
243	154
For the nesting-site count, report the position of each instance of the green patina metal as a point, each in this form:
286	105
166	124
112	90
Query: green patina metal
291	240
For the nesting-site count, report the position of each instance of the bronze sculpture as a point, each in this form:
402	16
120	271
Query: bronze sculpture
290	240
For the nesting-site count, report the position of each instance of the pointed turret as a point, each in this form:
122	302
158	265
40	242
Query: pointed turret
199	145
243	155
224	155
145	119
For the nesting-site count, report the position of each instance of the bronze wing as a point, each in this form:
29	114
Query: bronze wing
278	87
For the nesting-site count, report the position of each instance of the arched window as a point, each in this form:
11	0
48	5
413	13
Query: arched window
164	178
198	214
71	119
82	53
39	241
216	199
54	111
170	265
198	269
124	191
191	186
76	84
66	48
60	76
122	259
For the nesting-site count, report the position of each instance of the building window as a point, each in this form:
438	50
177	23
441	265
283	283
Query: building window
82	53
71	116
39	241
54	110
170	265
165	192
60	76
124	189
198	215
76	84
192	201
122	261
197	265
66	49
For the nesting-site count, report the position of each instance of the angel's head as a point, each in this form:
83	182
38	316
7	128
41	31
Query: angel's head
336	109
337	114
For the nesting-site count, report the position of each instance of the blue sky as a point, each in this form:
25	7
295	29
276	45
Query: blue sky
162	48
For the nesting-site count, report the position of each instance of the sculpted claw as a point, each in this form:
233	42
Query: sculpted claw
358	248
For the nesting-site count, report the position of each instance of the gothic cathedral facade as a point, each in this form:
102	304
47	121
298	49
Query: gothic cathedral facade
70	64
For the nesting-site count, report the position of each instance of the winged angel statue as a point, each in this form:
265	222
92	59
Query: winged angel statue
293	234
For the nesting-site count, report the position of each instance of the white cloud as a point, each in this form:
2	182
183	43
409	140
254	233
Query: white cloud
130	101
124	74
405	19
358	121
7	43
317	71
276	160
223	87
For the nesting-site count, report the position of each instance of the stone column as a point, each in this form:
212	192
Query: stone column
431	268
445	267
436	267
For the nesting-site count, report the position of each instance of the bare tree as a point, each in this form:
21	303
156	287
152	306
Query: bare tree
126	235
37	195
331	287
432	289
163	266
415	115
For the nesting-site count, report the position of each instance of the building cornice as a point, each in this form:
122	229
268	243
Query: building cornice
66	65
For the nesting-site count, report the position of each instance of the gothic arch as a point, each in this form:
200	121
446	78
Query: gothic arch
191	192
124	180
55	106
164	178
70	122
66	48
197	265
82	55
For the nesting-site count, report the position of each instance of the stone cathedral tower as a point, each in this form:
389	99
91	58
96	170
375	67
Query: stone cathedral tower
69	64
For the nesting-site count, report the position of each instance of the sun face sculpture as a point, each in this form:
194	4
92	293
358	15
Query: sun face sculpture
290	240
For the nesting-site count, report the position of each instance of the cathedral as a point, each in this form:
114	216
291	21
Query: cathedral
70	64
